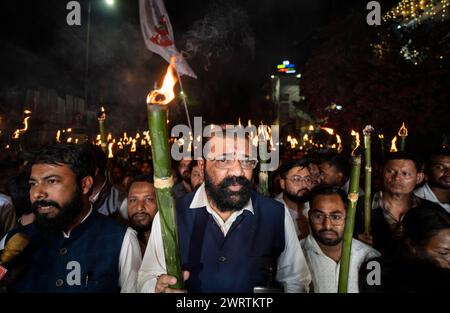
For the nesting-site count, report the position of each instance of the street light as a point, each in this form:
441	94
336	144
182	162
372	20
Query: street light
88	36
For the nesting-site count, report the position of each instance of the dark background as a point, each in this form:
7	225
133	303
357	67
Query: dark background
238	45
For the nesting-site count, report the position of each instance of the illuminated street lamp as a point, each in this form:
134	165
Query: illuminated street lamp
88	36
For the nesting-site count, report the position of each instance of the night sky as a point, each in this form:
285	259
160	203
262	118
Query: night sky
234	58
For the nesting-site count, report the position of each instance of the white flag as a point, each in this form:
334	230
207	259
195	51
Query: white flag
158	34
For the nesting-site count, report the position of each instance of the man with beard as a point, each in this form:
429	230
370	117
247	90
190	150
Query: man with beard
183	187
73	248
323	247
437	187
296	183
142	208
232	239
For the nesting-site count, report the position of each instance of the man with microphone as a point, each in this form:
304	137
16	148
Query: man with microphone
72	248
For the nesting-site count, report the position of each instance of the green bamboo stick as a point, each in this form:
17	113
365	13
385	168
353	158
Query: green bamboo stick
368	178
101	123
403	133
157	117
349	221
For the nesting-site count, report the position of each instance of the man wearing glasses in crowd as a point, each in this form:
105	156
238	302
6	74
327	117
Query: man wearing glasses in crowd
323	247
228	233
296	183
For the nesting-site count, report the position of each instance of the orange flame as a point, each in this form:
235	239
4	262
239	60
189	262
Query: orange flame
381	136
101	116
328	130
339	142
394	144
357	141
110	151
293	141
133	146
165	94
58	136
403	131
24	129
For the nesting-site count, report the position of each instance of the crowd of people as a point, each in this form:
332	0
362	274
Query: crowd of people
72	221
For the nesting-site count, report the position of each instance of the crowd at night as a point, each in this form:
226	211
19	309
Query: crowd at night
217	147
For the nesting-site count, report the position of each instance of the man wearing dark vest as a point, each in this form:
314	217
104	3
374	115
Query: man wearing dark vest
72	248
232	239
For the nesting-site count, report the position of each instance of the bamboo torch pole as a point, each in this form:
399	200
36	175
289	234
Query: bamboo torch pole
368	178
350	217
157	102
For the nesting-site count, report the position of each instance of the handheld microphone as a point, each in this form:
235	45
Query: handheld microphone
13	248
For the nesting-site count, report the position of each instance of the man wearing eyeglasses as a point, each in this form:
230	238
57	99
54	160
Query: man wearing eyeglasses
232	239
296	183
323	247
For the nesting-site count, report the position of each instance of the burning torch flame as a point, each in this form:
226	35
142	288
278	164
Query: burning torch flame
381	136
403	131
165	94
21	131
339	142
357	141
305	138
328	130
293	141
109	138
394	144
58	136
110	151
101	116
133	146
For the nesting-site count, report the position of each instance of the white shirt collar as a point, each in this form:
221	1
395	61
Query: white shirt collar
200	200
94	198
311	244
67	235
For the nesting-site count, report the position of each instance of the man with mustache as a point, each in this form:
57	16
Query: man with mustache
142	207
73	248
402	172
230	236
437	187
296	183
323	247
183	187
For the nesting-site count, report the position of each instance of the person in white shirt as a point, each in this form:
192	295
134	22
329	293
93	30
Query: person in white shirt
296	183
226	231
142	208
323	247
437	187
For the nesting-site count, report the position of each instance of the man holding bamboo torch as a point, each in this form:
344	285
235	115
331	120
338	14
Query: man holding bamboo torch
232	239
323	247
